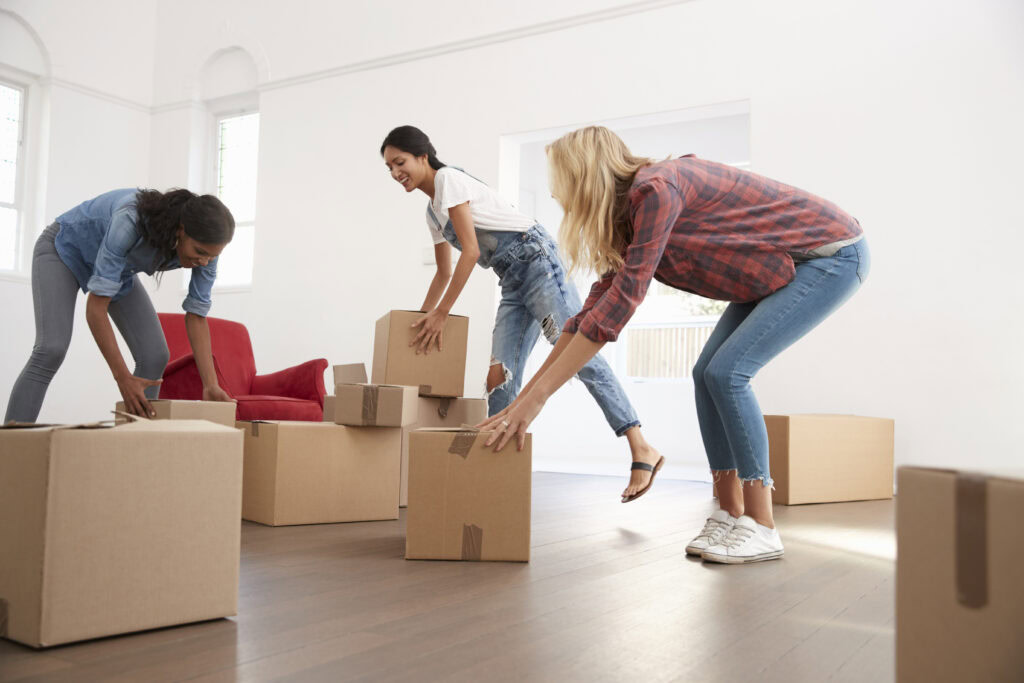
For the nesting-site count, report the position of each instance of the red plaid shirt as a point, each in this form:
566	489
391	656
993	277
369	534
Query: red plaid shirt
713	230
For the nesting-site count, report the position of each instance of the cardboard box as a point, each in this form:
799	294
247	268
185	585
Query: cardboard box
109	530
438	373
218	412
959	596
438	412
830	458
317	472
467	502
329	404
353	373
375	405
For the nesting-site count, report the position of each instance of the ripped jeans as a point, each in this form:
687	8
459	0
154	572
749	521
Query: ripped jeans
746	338
536	297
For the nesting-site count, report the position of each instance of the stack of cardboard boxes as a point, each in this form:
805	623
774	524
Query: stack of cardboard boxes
465	502
113	528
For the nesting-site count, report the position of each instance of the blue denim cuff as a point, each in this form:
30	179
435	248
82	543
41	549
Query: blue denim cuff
193	305
101	286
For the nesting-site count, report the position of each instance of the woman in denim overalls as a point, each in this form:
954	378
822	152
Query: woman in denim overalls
536	296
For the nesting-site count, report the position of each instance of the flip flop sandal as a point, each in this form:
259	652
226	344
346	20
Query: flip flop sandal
653	469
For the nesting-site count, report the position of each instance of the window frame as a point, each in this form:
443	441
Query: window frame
19	269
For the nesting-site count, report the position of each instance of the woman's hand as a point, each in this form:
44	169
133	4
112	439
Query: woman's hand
133	391
215	393
513	421
431	329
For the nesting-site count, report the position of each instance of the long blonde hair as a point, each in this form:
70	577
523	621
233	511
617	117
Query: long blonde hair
591	171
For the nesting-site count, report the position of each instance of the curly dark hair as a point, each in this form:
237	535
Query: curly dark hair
204	218
412	140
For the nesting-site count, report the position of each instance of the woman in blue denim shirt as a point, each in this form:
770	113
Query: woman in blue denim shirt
536	295
99	246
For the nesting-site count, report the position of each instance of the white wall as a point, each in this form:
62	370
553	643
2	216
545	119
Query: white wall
94	135
903	113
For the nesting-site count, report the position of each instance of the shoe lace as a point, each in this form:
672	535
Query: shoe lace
737	536
714	530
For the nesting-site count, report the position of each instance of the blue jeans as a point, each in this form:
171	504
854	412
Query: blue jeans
746	338
536	297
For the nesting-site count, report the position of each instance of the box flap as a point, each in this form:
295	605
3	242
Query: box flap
406	310
352	373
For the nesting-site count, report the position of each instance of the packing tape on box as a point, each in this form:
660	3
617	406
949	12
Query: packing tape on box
425	389
971	515
255	428
462	443
3	615
371	395
472	542
443	406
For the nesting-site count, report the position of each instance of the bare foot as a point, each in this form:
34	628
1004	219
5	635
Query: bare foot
640	478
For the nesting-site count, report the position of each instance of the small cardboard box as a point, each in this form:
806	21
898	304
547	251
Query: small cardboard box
110	530
329	404
467	502
959	595
438	373
375	405
219	412
830	458
352	373
317	472
438	412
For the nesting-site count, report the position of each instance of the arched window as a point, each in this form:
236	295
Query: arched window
228	87
23	63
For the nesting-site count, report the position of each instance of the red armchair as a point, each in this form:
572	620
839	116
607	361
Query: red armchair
296	393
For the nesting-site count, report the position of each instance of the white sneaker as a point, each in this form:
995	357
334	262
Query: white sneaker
747	541
715	529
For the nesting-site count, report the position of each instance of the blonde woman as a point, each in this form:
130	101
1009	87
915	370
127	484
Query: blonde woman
784	258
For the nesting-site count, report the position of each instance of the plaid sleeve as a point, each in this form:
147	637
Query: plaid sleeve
655	206
596	291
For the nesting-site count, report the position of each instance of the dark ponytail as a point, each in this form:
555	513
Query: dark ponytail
204	217
414	141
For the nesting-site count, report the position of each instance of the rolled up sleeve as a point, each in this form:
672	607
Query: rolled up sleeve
200	287
655	207
111	257
597	290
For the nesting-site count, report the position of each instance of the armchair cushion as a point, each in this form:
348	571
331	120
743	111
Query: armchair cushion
278	408
305	381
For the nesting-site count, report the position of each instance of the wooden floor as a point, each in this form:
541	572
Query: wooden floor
608	596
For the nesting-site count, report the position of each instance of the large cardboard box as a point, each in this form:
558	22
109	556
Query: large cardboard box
438	412
830	458
317	472
219	412
438	373
375	405
109	530
959	594
467	502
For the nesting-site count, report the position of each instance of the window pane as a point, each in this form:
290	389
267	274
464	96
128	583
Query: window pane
234	267
8	238
10	124
237	151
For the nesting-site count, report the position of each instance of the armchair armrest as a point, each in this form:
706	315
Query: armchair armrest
305	381
182	380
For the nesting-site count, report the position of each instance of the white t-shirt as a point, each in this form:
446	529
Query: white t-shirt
489	210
